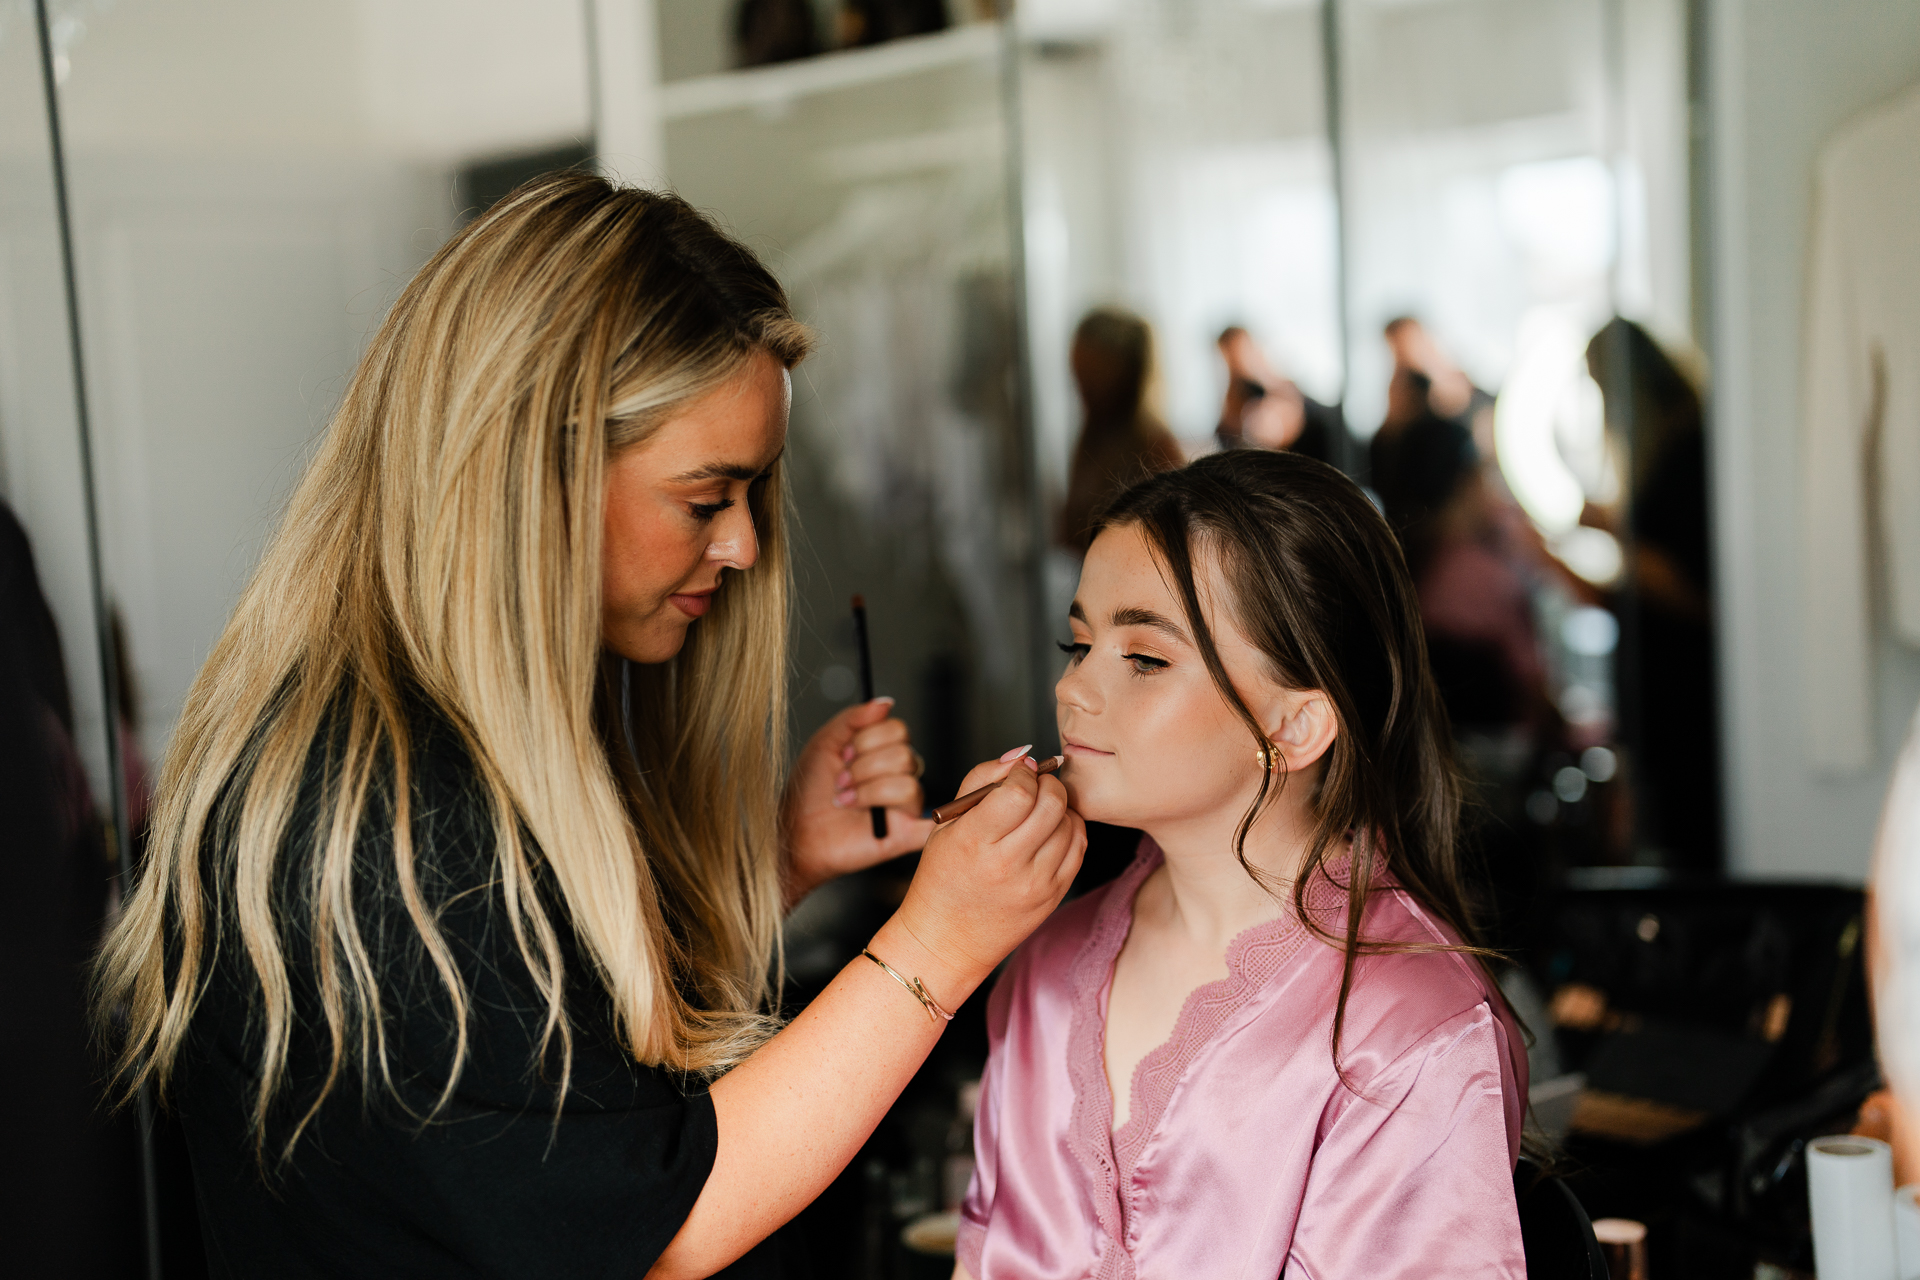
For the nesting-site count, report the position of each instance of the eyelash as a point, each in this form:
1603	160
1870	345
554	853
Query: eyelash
1142	664
704	511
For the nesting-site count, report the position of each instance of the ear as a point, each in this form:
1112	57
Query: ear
1302	724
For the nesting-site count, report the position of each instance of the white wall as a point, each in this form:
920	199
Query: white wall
1784	73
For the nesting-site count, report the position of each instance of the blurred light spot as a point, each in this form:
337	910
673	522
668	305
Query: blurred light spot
1560	214
1570	784
1548	395
837	684
1582	705
1594	554
1589	631
1542	807
1599	764
1649	927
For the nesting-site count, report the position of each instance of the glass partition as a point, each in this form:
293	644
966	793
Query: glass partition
73	1204
874	181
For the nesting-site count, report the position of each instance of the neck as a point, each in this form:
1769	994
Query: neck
1203	891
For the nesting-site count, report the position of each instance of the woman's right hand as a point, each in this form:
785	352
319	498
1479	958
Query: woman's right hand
799	1108
988	878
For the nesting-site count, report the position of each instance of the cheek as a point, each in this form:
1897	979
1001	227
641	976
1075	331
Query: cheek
646	553
1183	749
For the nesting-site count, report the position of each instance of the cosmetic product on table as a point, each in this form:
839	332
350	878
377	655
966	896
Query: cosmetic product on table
1906	1231
1850	1188
1624	1243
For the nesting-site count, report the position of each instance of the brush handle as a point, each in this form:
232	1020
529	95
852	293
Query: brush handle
954	808
877	813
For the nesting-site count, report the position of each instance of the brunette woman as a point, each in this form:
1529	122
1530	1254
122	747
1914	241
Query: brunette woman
470	852
1267	1047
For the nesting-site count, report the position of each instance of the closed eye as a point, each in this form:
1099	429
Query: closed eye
1074	652
708	510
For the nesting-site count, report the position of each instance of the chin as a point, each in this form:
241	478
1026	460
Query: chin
1093	803
655	645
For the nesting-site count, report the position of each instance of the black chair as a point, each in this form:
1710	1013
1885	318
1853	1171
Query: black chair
1554	1228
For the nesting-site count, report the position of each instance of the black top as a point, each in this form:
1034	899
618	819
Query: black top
502	1182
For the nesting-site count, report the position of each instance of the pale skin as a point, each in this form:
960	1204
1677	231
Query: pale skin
793	1115
1151	743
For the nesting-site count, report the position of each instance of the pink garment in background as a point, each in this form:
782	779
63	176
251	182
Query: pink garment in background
1244	1154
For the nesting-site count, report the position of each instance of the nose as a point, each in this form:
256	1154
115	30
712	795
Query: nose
1074	690
736	543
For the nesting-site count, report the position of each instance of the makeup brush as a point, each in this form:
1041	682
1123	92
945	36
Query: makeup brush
955	807
866	691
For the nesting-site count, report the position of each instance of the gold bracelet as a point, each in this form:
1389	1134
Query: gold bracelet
917	989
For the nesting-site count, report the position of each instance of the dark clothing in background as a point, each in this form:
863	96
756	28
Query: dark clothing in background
71	1206
1325	425
502	1182
1671	685
1107	460
1417	468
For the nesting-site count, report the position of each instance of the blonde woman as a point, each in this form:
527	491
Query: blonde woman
454	948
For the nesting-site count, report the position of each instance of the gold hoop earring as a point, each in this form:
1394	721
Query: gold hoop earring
1268	756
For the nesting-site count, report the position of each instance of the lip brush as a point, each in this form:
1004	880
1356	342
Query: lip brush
866	692
955	807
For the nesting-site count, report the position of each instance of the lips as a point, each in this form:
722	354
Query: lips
1076	750
694	603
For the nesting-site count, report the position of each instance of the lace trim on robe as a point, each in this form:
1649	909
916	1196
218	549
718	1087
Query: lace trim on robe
1109	1159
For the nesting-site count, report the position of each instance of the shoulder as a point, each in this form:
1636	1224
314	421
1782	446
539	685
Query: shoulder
1402	1000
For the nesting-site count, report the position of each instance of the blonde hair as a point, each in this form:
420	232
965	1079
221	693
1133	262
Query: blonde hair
445	546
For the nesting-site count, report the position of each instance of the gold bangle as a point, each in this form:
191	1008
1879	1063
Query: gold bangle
917	989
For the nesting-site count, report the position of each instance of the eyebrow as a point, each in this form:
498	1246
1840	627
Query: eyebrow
726	471
1134	616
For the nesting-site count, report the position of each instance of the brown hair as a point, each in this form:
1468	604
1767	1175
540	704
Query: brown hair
446	543
1318	585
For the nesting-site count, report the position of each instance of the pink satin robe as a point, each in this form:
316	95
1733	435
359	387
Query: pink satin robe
1244	1154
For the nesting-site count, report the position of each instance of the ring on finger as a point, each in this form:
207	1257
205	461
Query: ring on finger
919	764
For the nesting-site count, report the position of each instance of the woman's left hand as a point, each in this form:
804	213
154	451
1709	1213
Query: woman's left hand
859	759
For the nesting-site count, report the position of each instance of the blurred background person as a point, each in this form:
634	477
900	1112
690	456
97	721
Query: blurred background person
1666	668
1264	409
1122	438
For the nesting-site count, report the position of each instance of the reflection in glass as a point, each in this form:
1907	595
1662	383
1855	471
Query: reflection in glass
873	182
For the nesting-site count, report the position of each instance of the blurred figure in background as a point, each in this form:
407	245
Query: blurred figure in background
1456	526
1666	664
1122	439
1264	409
1447	392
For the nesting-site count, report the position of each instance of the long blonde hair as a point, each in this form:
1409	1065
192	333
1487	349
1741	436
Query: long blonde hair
445	546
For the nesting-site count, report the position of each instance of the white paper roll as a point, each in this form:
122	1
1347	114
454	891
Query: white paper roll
1850	1185
1906	1232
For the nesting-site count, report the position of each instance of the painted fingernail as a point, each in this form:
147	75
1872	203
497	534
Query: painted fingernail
885	699
844	798
847	753
1016	753
844	781
1032	764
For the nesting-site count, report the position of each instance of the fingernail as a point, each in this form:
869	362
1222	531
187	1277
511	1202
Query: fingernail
1032	764
844	781
1016	753
846	753
844	798
885	699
